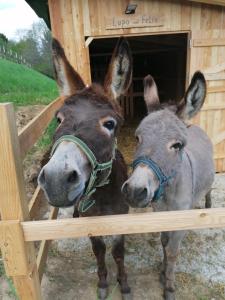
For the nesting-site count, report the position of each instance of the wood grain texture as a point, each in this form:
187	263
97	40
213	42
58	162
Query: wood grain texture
29	135
20	256
124	224
208	42
13	249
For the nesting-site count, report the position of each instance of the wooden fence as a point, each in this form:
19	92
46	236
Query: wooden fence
13	56
19	227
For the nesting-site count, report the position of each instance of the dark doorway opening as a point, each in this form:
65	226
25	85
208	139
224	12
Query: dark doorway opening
162	56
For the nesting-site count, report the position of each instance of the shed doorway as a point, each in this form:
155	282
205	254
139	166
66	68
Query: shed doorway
163	56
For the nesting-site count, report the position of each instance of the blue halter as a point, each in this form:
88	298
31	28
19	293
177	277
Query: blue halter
163	179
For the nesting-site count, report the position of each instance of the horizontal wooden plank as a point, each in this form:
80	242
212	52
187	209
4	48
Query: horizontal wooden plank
33	130
43	250
124	224
215	76
208	42
213	107
216	89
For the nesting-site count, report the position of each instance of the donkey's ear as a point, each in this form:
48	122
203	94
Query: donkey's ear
118	77
151	96
69	81
195	96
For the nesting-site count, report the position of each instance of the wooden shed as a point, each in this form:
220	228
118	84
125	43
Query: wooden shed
170	39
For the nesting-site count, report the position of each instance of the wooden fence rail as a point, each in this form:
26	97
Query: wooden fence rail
124	224
18	232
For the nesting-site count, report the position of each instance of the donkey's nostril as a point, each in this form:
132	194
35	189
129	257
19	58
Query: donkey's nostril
73	177
141	193
125	188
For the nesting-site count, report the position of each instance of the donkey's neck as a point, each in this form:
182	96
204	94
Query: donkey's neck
180	192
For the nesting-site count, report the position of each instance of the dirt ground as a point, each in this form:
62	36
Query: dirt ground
71	269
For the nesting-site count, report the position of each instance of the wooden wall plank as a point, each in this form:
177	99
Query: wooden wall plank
208	42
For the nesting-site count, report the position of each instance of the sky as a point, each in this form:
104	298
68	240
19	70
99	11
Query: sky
15	14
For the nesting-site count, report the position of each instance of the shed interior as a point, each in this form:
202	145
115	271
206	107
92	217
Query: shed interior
163	56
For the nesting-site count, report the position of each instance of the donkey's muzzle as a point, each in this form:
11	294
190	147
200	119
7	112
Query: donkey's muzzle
62	187
135	196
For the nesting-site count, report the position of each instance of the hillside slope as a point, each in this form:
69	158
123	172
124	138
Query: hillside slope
24	86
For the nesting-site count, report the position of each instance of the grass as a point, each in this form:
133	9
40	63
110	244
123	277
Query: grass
46	140
24	86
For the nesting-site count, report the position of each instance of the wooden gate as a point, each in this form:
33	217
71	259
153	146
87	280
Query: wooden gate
208	55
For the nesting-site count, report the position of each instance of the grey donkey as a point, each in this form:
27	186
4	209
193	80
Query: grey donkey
173	166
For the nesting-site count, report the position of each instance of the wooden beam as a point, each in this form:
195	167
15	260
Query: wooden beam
13	206
216	89
34	129
124	224
35	203
213	2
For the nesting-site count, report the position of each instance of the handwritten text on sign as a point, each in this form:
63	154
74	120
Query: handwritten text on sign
134	21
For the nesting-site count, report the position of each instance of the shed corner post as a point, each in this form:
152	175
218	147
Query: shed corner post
18	256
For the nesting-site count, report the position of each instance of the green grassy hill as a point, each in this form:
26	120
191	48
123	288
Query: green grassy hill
24	86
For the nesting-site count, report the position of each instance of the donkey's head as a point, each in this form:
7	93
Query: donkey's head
88	124
161	140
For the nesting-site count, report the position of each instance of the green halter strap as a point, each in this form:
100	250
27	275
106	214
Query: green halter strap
85	202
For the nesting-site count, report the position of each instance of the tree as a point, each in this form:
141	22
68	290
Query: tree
35	46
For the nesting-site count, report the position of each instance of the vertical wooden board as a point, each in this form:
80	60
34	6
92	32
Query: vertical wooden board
56	19
217	15
13	249
69	44
81	52
13	206
185	16
86	18
196	16
28	287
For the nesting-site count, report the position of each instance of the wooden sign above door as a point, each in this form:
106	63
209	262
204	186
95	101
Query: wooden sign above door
134	21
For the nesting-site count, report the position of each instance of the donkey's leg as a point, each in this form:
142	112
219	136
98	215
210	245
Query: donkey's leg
171	242
208	201
99	249
118	255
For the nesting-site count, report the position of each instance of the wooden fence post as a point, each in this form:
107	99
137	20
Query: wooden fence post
20	259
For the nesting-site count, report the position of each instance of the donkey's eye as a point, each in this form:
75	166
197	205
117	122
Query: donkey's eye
178	146
110	125
58	120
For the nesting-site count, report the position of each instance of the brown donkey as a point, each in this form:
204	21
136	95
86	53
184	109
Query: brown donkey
85	169
173	166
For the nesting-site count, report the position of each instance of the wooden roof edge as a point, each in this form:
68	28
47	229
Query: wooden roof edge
213	2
